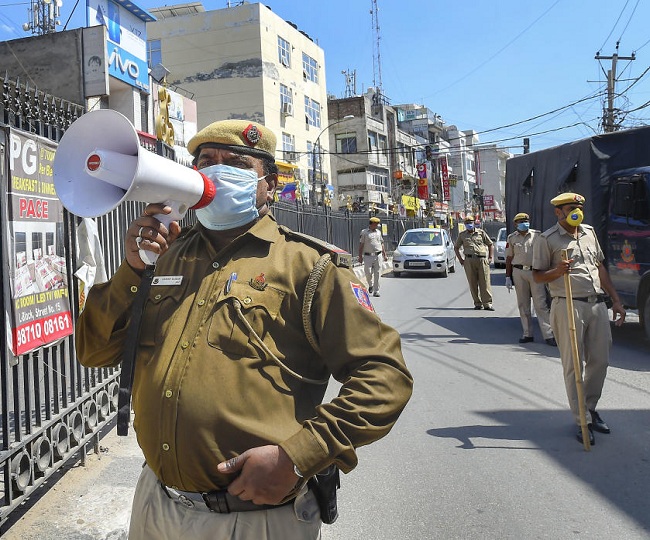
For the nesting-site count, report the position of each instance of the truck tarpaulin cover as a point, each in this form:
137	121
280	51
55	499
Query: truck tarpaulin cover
583	166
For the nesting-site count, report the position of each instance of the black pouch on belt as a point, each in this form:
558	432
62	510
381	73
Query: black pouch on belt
324	486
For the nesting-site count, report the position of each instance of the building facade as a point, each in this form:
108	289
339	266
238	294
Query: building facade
246	62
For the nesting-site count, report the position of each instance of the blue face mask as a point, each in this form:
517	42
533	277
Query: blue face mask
469	226
523	227
235	203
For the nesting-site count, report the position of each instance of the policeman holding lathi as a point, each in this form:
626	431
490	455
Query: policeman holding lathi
236	346
588	279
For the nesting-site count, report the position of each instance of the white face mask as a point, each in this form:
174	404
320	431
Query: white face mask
235	202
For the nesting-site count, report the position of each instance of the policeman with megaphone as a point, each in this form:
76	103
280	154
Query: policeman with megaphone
244	323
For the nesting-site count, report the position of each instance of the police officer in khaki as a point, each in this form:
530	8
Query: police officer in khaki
477	256
519	261
371	246
589	278
244	324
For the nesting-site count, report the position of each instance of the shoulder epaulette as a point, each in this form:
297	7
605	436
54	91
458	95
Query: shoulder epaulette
340	257
550	231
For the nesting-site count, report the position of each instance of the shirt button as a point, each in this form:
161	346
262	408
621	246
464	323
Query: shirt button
134	289
165	447
215	264
201	302
168	393
185	344
158	296
247	300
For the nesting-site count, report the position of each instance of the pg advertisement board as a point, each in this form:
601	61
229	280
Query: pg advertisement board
38	307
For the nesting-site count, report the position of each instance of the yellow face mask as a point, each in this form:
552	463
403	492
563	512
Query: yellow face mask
575	217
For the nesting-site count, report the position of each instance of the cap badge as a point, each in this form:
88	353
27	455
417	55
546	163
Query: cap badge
258	283
252	135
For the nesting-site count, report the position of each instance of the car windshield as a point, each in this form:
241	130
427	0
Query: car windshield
421	238
503	236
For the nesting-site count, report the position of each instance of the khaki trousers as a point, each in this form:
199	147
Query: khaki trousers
594	338
526	288
477	271
371	269
155	516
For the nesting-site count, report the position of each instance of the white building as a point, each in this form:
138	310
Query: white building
246	62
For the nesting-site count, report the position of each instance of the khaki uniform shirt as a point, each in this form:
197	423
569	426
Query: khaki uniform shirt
520	247
205	390
585	252
476	242
371	241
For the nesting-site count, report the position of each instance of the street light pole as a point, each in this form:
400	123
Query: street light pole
313	157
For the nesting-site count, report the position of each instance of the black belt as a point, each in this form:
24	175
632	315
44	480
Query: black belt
522	267
469	256
219	501
375	253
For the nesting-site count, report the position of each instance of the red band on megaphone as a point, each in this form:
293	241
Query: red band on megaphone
209	191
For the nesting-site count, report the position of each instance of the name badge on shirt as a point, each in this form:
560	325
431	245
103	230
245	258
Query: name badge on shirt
167	280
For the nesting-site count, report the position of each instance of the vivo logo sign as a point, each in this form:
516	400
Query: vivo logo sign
128	68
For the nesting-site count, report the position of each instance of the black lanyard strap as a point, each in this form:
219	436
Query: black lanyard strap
130	349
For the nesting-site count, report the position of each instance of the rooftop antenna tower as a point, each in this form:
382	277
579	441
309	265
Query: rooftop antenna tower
376	58
350	83
43	17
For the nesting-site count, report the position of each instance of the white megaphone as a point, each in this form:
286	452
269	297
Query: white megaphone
99	164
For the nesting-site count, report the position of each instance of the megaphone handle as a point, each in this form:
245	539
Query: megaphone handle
177	213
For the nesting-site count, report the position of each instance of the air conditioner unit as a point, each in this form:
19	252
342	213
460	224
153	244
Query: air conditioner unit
287	108
291	156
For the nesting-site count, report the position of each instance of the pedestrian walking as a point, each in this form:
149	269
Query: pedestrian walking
478	249
244	324
519	274
371	247
588	281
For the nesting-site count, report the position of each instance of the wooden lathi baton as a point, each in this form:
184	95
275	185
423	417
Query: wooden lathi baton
576	357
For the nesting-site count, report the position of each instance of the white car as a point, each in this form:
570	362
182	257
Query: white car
424	251
500	248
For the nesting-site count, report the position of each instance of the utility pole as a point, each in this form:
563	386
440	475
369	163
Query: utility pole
609	117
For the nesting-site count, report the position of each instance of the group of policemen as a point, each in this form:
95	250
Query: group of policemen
536	265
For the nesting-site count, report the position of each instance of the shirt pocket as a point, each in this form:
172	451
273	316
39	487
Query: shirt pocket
259	309
160	312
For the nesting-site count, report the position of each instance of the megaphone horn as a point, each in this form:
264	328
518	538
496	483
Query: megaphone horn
100	163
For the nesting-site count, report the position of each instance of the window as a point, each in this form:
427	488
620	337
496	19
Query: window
379	181
383	144
286	100
289	147
154	52
309	68
312	112
372	141
284	52
346	144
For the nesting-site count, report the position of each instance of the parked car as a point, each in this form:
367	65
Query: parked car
424	251
500	248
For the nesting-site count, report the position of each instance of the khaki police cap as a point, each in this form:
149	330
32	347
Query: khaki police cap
375	220
522	215
567	198
239	136
469	217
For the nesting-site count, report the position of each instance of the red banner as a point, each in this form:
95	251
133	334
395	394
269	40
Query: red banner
444	175
423	188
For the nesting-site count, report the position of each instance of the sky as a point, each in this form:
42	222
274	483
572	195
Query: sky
506	69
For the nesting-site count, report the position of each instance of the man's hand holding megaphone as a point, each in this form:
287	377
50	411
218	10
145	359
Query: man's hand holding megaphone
149	234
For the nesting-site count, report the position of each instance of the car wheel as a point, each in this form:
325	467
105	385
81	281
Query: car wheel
397	274
445	271
452	268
